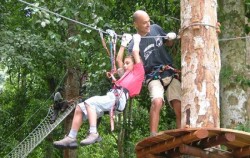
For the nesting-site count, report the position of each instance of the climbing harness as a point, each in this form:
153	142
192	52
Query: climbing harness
115	107
117	90
156	74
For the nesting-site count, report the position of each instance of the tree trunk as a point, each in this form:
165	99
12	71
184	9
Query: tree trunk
200	64
72	87
248	69
234	95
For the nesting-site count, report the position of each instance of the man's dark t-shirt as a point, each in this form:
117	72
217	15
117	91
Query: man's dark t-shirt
153	51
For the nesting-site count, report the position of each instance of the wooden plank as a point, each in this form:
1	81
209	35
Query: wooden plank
237	142
242	152
193	151
152	141
216	140
175	142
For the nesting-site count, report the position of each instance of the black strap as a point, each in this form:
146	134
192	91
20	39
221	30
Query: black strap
162	83
166	87
118	96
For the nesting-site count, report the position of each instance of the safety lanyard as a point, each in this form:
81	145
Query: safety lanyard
111	52
155	74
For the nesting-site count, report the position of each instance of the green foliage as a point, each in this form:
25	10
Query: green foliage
244	127
242	80
37	47
227	76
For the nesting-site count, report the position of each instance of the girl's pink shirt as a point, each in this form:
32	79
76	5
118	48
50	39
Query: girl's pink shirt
132	80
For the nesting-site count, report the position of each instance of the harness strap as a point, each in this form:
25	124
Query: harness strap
112	40
116	105
104	43
155	74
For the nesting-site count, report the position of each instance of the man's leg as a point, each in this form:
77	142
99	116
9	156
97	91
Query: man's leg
64	105
176	104
155	109
156	92
174	97
56	109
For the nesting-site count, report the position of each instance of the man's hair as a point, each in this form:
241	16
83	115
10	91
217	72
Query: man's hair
59	89
134	17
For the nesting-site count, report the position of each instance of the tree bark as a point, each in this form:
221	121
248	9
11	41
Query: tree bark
72	87
200	64
234	95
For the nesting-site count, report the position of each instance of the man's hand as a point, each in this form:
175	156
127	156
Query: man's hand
170	36
126	38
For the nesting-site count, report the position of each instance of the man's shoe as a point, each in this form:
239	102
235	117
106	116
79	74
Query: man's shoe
66	142
91	139
54	116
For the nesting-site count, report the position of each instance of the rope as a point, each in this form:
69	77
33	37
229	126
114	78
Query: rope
235	38
46	10
112	41
35	111
39	133
96	29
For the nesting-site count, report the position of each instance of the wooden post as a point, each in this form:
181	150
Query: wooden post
200	64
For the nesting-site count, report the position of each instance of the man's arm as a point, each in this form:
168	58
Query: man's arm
136	48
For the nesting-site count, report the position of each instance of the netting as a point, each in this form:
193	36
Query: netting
39	133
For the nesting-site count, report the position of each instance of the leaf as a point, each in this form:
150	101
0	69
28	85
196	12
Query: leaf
47	21
36	4
43	23
88	30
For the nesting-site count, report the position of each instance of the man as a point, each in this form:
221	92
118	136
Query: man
128	85
154	57
59	104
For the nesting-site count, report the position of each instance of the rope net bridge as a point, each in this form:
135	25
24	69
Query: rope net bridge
40	132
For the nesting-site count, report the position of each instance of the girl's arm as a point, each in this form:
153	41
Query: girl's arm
136	48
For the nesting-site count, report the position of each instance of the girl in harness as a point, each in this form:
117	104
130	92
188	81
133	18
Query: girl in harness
127	86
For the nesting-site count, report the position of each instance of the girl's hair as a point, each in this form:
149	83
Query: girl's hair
131	57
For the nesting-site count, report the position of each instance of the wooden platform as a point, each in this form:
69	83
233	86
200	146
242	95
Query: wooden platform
198	142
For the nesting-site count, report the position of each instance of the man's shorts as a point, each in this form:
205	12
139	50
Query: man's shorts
104	103
156	90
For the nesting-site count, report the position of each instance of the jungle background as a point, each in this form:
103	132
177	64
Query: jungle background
38	50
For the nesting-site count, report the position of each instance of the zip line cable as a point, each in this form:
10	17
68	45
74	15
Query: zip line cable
75	21
36	110
96	29
235	38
